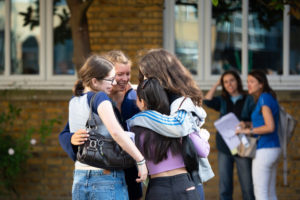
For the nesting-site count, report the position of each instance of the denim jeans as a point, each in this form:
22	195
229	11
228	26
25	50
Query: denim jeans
95	185
244	169
200	189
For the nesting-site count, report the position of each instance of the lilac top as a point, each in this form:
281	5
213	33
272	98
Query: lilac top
176	161
202	146
172	162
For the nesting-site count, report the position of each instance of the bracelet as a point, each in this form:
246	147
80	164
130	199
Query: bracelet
141	162
251	131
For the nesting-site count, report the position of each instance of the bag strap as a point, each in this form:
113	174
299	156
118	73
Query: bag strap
91	122
181	103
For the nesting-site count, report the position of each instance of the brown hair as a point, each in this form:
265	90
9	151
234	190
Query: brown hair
169	71
238	80
94	67
261	77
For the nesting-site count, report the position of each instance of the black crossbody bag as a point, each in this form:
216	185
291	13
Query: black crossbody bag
100	151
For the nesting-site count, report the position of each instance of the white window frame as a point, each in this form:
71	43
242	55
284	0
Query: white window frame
46	79
204	77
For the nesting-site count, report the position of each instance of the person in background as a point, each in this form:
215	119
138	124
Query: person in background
96	77
124	97
232	99
264	123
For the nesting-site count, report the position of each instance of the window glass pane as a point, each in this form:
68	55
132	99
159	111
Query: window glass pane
63	44
226	36
186	33
295	46
265	38
25	37
2	25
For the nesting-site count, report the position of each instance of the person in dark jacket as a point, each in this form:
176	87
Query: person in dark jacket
232	99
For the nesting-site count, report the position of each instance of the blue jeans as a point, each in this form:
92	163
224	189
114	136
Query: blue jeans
201	191
96	185
244	168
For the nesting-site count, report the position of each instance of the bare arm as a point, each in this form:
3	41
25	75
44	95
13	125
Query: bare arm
106	113
269	126
210	94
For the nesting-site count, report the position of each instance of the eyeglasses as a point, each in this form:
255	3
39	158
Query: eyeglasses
111	80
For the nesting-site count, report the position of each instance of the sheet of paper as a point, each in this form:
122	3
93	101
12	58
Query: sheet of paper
226	126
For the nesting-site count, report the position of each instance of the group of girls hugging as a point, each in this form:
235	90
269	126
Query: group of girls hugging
165	115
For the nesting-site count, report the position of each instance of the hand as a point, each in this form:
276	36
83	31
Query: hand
143	173
243	130
242	124
204	134
218	83
79	137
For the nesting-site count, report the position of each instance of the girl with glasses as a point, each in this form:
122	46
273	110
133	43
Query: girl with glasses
91	182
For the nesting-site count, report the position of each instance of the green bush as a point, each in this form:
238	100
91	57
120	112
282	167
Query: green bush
15	149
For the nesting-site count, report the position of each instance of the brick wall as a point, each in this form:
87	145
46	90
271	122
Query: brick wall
130	26
127	25
48	174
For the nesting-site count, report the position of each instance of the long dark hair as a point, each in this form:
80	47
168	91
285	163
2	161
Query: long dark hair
156	99
94	67
261	77
238	80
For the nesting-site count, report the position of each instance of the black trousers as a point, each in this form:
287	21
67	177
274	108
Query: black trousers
134	189
178	187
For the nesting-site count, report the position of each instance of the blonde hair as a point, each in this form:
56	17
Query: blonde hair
117	56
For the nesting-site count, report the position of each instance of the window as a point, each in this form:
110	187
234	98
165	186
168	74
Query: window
294	59
239	34
63	45
35	45
226	39
2	38
186	34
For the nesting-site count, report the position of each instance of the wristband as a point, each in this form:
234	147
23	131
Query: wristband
251	131
141	162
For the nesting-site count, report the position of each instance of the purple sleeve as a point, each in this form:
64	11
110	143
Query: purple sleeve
202	146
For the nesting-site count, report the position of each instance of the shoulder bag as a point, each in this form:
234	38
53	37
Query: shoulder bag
250	150
100	151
